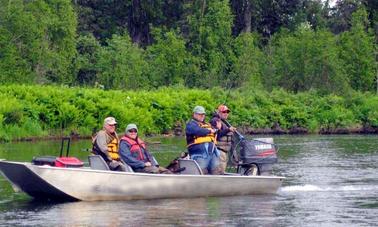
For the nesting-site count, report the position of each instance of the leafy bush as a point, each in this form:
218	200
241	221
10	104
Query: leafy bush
50	110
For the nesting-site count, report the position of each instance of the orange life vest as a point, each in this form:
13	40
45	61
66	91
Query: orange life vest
113	149
202	139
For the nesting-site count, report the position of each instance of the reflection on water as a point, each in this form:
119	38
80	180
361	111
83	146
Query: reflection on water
182	212
331	181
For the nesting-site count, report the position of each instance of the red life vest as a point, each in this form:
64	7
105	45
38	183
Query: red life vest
136	146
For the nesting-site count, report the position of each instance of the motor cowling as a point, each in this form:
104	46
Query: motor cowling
260	152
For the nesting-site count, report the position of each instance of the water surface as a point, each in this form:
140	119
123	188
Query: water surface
331	181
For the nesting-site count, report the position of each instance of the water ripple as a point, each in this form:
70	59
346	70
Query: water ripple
314	188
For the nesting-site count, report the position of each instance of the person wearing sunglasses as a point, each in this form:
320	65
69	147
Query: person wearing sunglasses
134	152
224	135
201	140
105	143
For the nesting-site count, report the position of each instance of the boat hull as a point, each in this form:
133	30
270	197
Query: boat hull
91	185
22	178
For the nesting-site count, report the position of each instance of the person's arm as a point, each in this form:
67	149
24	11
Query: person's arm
102	145
223	131
126	156
214	121
151	158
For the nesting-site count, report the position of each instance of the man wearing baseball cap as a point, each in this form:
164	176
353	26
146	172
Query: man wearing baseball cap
201	140
224	135
105	143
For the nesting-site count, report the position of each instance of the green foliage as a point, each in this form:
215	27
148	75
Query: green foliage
50	110
293	112
19	42
357	51
11	111
247	69
332	113
38	38
368	111
169	61
210	38
308	60
148	44
121	64
86	60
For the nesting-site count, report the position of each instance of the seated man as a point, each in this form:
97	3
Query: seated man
105	144
134	153
201	140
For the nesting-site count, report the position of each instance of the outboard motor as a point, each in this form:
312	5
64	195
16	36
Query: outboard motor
256	157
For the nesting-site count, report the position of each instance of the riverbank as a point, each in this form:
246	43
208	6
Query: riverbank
29	112
300	130
243	130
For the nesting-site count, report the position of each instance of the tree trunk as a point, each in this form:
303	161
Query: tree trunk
138	24
247	16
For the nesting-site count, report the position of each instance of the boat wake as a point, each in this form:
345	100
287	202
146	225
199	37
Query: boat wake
314	188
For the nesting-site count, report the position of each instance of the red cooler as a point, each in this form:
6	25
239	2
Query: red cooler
68	162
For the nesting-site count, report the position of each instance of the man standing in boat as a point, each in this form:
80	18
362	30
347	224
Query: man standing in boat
105	143
201	140
133	152
224	135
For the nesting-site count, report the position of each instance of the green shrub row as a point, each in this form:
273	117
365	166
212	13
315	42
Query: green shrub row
39	111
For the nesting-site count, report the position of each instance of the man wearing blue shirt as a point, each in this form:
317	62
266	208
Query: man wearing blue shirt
201	140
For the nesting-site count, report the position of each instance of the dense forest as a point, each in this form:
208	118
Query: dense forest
296	45
283	66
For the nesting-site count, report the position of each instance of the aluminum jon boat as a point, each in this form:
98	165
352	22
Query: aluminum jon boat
84	183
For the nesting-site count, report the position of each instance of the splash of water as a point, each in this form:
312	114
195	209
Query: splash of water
315	188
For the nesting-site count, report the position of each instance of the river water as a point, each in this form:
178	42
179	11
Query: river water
330	181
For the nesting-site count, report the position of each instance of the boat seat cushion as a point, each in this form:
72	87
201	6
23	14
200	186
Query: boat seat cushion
191	167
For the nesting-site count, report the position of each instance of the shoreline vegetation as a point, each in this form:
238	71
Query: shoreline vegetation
36	112
297	67
266	131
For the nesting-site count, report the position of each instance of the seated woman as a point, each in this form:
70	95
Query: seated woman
133	152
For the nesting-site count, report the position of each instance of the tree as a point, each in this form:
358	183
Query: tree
316	13
121	65
210	40
105	18
38	39
372	9
247	68
307	60
102	18
341	15
357	50
264	16
86	69
169	61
